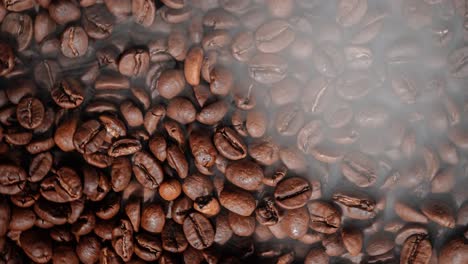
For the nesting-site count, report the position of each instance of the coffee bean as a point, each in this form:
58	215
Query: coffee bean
289	120
352	240
147	247
74	42
292	193
37	245
181	110
245	174
173	237
134	63
229	144
267	68
324	217
147	170
328	61
416	248
243	46
267	213
7	59
237	200
88	249
356	205
198	231
89	137
20	26
274	36
295	222
359	169
264	151
14	180
68	93
310	135
143	12
97	22
439	211
408	231
122	240
221	80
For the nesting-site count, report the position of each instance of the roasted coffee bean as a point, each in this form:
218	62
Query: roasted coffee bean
439	211
181	110
407	213
203	150
292	193
147	170
198	231
147	247
310	135
124	147
229	144
359	169
13	180
88	249
89	137
37	245
324	217
264	151
352	239
97	22
7	59
274	36
20	27
177	161
30	112
173	238
245	174
328	61
122	240
84	225
267	68
55	213
64	11
134	63
267	213
68	93
356	205
144	12
289	120
65	186
237	200
74	42
417	248
295	222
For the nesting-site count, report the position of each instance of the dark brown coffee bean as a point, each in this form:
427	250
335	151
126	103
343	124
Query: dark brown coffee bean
267	68
416	248
221	80
289	119
355	205
181	110
40	166
352	239
237	200
264	151
203	150
22	219
267	212
324	217
453	249
97	22
30	112
121	9
55	213
143	12
293	159
122	240
408	213
147	170
7	59
65	186
245	174
295	222
439	211
44	25
20	27
109	206
318	93
379	244
74	42
292	193
243	46
37	245
89	137
147	247
333	245
173	239
84	225
198	231
13	180
40	145
229	144
107	255
409	230
176	159
220	19
64	11
88	249
317	255
96	185
177	44
134	63
124	147
310	135
359	169
68	93
274	36
111	81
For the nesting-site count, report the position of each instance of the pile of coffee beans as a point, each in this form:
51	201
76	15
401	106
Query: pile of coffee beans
234	131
